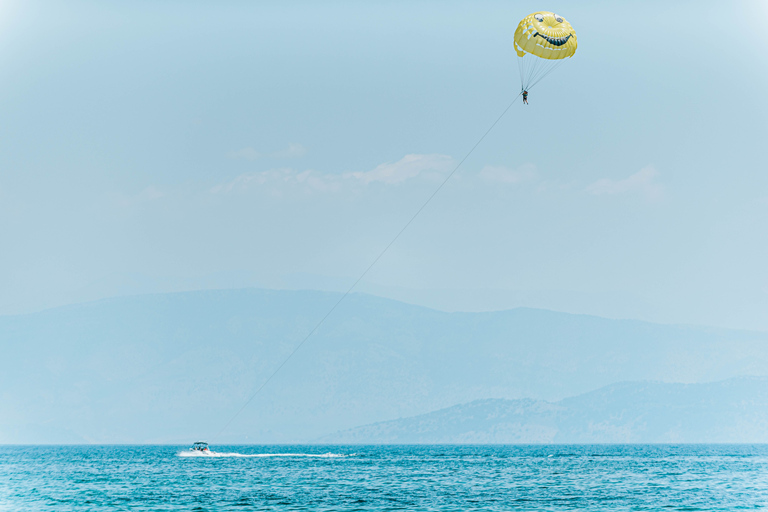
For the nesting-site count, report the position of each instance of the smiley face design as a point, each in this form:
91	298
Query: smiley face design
546	35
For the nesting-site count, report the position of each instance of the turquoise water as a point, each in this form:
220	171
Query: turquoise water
460	478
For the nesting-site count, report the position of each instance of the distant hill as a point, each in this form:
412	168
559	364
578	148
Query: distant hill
175	367
731	411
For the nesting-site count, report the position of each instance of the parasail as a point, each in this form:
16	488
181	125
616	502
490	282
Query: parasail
543	40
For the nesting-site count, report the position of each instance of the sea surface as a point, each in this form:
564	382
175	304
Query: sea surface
460	478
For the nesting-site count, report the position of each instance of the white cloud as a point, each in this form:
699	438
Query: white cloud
292	151
246	154
241	182
642	182
406	168
309	179
526	172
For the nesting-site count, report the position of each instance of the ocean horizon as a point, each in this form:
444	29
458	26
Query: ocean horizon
385	477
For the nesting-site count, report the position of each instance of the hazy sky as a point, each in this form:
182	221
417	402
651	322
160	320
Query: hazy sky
160	146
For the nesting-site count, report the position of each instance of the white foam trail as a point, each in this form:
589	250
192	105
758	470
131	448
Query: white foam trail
197	453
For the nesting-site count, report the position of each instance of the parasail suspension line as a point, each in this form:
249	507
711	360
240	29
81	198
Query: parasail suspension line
357	281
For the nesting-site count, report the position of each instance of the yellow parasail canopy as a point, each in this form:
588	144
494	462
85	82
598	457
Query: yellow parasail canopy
545	35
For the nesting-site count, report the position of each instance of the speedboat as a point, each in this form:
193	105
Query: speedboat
200	446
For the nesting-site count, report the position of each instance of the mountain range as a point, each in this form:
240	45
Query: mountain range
730	411
170	368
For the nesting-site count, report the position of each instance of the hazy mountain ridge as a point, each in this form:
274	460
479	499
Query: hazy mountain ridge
731	411
172	367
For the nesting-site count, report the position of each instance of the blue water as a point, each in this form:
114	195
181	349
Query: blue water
459	478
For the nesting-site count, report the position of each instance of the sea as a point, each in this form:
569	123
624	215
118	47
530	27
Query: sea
385	478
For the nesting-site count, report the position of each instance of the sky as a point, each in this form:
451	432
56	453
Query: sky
167	146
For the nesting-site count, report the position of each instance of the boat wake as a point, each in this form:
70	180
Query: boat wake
208	454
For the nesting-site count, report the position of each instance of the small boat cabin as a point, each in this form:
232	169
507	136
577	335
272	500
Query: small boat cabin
200	446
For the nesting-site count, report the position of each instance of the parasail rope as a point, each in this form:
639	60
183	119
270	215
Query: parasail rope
349	290
534	70
548	71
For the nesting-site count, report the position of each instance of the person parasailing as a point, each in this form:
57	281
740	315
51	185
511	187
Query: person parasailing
525	97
